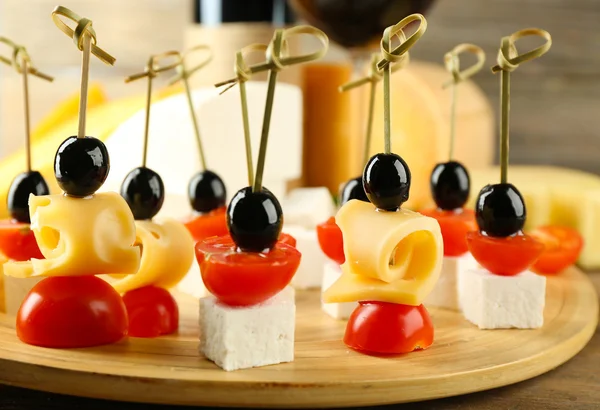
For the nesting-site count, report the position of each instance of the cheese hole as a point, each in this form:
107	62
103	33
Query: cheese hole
50	237
155	234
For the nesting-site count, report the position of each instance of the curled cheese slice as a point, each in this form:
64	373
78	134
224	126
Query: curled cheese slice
80	236
390	256
167	255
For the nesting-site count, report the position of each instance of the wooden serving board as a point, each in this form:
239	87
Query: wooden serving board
325	373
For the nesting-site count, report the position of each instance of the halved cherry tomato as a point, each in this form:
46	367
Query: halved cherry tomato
245	278
454	226
17	241
388	328
72	311
213	223
331	240
152	312
562	248
504	256
287	239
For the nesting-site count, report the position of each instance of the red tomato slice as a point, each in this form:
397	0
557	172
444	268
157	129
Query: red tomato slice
454	226
287	239
72	311
152	312
17	241
388	328
213	223
331	240
562	248
245	278
504	256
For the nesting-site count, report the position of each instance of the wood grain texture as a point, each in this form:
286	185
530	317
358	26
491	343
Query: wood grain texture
325	373
555	99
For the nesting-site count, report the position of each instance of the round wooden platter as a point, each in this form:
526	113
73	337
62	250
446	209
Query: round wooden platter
325	373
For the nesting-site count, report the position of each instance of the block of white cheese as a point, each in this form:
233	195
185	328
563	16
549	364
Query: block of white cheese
342	311
243	337
310	271
308	207
15	290
173	151
445	294
502	302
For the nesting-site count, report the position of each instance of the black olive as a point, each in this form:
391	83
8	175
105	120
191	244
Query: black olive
144	191
206	191
254	219
81	165
450	185
25	184
500	210
386	180
353	189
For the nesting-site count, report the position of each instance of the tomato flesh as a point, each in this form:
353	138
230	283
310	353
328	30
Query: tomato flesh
562	248
213	223
17	241
331	240
72	311
388	328
287	239
454	226
504	256
245	278
152	312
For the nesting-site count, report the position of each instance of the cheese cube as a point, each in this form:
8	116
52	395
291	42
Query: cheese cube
192	283
331	273
308	207
15	290
243	337
502	302
445	294
310	271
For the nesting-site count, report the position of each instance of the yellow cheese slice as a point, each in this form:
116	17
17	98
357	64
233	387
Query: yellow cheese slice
554	196
80	236
167	255
390	256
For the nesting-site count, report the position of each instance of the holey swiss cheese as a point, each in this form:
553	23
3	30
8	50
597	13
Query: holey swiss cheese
80	236
167	255
391	257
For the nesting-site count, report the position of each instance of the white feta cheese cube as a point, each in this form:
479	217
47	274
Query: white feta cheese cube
308	207
501	302
445	294
243	337
192	283
15	290
310	271
342	311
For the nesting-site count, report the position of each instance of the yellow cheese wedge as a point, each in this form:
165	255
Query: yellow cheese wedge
556	196
167	255
390	256
80	236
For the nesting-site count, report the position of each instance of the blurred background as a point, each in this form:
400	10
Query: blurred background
555	117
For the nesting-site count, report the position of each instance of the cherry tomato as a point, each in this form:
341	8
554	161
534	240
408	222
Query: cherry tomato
388	328
245	278
213	223
152	312
562	248
287	239
72	311
504	256
331	240
17	241
454	226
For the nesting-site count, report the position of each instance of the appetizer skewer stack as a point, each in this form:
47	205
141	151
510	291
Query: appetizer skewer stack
17	241
504	293
392	256
166	247
250	319
450	187
81	234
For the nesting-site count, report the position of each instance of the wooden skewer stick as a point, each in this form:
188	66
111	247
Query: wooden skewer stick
24	66
507	61
85	76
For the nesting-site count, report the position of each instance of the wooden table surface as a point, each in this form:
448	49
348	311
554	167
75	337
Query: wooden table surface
573	385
